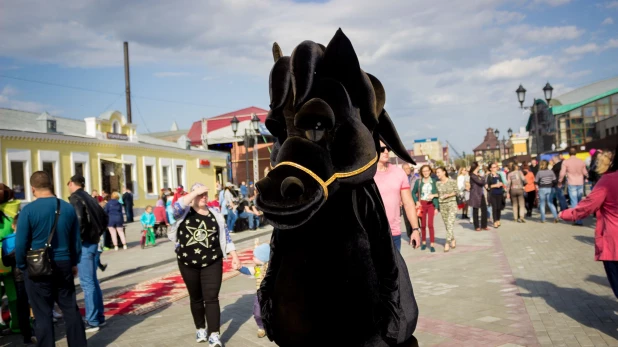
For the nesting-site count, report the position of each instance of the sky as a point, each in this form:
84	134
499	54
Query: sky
450	68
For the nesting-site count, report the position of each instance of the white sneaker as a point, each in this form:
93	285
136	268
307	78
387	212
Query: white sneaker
213	340
200	335
124	247
115	248
56	314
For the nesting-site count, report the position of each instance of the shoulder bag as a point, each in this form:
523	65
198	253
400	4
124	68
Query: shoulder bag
38	261
419	207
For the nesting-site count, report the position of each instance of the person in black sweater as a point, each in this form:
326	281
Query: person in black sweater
127	198
534	167
558	191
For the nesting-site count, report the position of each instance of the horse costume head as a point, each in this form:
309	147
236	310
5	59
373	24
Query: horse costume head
327	116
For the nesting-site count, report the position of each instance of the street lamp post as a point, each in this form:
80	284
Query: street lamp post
255	126
521	96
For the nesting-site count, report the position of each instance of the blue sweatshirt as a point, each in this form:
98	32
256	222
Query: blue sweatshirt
148	219
35	223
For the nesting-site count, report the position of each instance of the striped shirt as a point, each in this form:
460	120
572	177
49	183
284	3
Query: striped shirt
545	179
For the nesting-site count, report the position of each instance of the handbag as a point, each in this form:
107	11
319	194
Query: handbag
38	261
419	208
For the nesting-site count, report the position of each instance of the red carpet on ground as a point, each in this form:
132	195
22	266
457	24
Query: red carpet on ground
159	292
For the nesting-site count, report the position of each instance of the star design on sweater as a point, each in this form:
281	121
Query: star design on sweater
197	251
185	255
200	235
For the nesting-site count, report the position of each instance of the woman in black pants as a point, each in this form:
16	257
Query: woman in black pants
202	241
496	192
477	199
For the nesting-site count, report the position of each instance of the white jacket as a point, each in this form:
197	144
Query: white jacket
180	213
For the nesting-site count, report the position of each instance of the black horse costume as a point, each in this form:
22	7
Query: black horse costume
335	277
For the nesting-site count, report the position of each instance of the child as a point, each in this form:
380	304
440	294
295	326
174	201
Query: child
23	308
169	210
161	218
148	221
261	256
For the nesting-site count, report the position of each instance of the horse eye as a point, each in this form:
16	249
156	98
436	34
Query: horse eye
316	133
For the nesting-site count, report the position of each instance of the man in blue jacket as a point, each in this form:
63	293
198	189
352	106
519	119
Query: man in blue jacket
33	228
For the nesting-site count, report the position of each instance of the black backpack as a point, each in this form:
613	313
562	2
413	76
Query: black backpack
97	219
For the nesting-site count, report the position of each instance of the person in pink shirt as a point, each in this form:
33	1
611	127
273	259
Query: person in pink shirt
394	189
603	201
575	170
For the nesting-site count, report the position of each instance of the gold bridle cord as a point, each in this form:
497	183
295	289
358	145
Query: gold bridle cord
332	178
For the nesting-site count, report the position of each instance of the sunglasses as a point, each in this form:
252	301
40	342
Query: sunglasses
384	148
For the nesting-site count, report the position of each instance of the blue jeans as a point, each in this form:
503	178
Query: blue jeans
575	194
559	193
253	219
546	197
93	297
397	242
231	220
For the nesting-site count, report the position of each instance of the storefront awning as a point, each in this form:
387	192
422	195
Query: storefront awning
116	160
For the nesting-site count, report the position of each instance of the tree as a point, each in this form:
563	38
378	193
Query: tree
439	163
460	162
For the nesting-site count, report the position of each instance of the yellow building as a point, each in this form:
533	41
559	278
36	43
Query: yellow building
106	150
519	143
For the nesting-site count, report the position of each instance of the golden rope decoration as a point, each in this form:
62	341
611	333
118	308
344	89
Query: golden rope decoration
332	178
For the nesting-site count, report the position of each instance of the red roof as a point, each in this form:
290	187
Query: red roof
195	133
222	121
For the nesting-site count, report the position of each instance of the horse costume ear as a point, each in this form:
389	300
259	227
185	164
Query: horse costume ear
277	52
378	88
305	61
341	64
388	135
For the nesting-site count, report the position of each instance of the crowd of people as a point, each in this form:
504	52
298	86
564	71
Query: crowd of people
91	223
200	229
481	192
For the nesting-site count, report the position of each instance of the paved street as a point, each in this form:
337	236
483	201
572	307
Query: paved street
522	285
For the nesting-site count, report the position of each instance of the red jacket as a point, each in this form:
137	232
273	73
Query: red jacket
160	215
603	200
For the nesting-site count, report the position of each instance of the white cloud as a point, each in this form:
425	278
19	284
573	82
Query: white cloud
170	74
613	43
437	61
441	99
611	4
546	33
583	49
552	2
8	91
7	100
607	21
518	68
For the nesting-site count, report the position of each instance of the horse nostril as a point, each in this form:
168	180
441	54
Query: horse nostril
292	187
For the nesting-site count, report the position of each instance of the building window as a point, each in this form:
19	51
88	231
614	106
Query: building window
149	180
18	179
179	175
51	126
79	169
613	130
607	132
48	167
116	127
128	176
165	176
